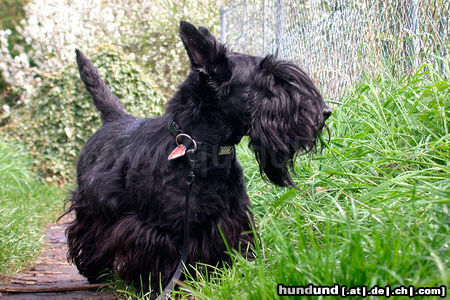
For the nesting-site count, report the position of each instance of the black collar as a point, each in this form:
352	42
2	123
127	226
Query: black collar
175	130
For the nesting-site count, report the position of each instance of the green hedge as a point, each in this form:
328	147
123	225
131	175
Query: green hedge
57	123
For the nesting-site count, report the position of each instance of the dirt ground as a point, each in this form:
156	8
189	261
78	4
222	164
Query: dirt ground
51	276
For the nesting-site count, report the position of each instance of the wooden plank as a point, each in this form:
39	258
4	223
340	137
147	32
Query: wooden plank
50	289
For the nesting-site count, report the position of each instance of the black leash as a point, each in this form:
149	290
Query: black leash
179	151
187	211
183	261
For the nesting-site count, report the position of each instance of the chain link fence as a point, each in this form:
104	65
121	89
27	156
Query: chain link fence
336	41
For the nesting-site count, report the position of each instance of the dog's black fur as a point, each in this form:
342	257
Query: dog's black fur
130	199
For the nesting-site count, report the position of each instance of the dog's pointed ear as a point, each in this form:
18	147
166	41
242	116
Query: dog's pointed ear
206	33
200	48
206	54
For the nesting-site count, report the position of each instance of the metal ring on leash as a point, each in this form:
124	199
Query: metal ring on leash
188	137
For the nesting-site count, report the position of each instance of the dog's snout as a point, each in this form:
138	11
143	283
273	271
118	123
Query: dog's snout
327	112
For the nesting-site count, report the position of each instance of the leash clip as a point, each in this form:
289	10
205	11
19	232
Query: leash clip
189	138
189	153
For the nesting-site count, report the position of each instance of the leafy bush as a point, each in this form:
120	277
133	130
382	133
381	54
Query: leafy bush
61	117
149	29
51	29
11	12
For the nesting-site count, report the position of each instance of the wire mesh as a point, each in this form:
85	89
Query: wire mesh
337	41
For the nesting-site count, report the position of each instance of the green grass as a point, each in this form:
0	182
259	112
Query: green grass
26	206
372	209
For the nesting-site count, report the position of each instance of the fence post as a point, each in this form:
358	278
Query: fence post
279	26
441	43
264	27
414	30
222	25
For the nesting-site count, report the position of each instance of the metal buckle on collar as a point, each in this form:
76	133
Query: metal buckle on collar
226	150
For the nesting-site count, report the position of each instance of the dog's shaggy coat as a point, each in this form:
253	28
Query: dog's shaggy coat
130	199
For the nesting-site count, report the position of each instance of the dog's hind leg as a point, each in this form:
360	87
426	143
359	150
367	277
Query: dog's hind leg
87	238
146	255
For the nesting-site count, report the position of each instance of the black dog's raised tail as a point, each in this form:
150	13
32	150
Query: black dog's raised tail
102	96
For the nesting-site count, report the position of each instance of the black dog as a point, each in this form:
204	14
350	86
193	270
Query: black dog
129	205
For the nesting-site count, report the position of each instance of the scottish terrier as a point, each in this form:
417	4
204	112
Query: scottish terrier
132	192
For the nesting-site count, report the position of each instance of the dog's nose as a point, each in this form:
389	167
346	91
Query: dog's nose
327	112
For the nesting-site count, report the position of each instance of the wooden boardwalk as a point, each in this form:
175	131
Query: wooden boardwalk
51	276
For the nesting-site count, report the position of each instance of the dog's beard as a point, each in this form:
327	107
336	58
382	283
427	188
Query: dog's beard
286	118
277	137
